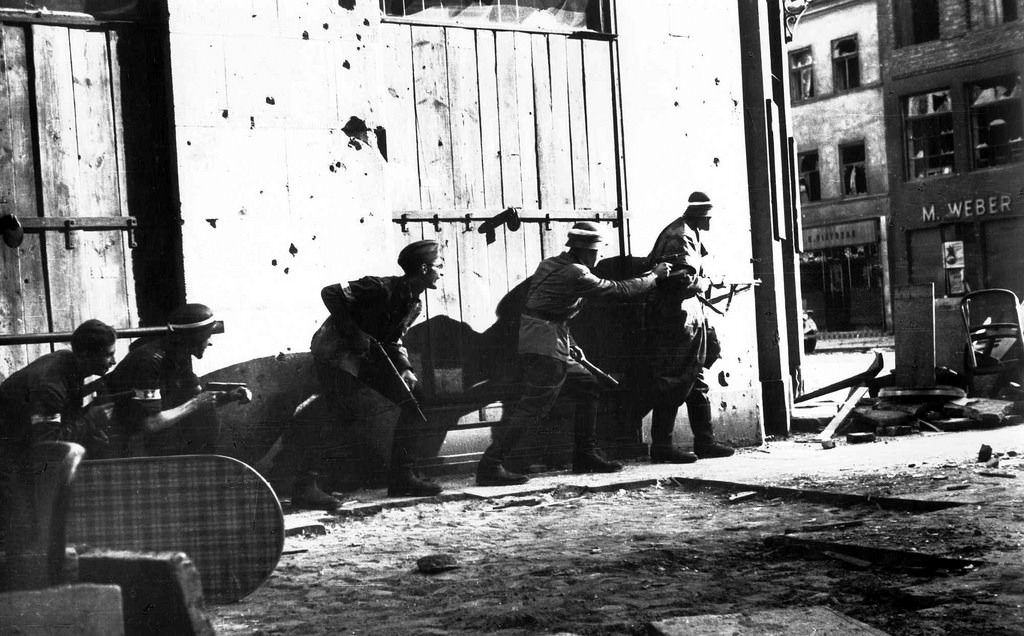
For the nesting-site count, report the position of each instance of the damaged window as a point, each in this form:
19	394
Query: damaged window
845	64
917	21
996	131
928	126
854	178
801	74
810	179
534	15
988	13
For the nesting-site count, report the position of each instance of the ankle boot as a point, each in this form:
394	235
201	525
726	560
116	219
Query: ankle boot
593	461
663	421
306	494
404	483
704	444
670	455
491	473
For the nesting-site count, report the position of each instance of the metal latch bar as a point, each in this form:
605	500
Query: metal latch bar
69	224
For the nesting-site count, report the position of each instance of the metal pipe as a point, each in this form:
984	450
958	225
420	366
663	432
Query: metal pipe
65	336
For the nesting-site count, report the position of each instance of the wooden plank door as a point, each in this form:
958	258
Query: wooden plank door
484	120
62	162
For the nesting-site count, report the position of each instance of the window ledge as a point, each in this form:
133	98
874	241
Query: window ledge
821	98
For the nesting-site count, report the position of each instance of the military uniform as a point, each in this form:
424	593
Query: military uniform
676	347
555	295
159	377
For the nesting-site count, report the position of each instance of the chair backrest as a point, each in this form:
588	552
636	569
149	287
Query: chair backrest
38	506
991	320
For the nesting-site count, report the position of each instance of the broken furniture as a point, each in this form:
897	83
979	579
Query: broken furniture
993	350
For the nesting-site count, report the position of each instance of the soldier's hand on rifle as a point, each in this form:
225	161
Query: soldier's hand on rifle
661	270
410	379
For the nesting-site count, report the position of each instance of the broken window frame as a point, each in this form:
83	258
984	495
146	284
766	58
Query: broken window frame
928	134
810	176
917	21
514	15
1001	104
845	65
853	169
801	74
982	14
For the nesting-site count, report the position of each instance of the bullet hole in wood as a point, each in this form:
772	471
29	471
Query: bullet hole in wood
286	269
326	26
212	222
366	22
292	249
271	100
224	113
359	36
274	262
716	161
346	64
252	123
305	35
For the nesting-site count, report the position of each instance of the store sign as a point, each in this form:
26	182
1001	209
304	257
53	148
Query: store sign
965	209
841	235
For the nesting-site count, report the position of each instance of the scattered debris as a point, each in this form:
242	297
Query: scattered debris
996	473
859	438
847	559
958	487
984	453
743	496
828	443
517	502
434	563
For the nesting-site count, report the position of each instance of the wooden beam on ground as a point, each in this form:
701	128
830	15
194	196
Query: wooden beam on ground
843	413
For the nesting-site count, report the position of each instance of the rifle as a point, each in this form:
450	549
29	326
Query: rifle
576	353
395	388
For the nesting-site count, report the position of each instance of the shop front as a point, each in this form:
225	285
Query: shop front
844	277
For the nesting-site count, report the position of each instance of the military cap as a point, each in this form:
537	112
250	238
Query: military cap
191	319
92	336
418	253
585	235
699	206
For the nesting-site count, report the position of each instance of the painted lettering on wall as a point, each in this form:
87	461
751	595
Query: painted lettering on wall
966	208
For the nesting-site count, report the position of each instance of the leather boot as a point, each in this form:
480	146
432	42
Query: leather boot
490	472
704	444
586	457
593	461
306	494
663	421
403	482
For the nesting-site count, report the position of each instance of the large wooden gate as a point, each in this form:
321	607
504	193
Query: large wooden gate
479	120
63	173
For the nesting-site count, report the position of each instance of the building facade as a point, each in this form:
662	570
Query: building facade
837	107
246	154
953	105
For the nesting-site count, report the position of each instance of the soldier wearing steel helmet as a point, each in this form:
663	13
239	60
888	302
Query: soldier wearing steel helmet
555	294
677	344
166	405
367	314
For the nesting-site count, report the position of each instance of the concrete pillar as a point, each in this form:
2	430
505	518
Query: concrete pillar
914	315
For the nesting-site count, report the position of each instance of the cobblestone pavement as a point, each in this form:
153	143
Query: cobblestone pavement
610	554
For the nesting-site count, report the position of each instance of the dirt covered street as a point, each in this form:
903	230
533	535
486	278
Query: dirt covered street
610	562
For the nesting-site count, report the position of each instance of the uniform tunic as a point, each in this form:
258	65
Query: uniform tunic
50	385
159	378
676	328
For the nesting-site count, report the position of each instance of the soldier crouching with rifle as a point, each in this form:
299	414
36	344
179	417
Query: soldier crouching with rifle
361	344
678	344
555	294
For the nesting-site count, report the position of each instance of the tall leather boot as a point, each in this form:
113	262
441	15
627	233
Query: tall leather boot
704	444
586	457
490	471
402	478
306	494
663	421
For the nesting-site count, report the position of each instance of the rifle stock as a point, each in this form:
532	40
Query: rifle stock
396	389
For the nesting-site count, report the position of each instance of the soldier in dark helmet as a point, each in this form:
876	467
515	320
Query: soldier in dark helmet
166	404
679	345
368	313
556	292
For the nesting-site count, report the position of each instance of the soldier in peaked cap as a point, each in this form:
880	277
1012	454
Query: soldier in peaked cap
556	292
678	343
167	406
367	315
